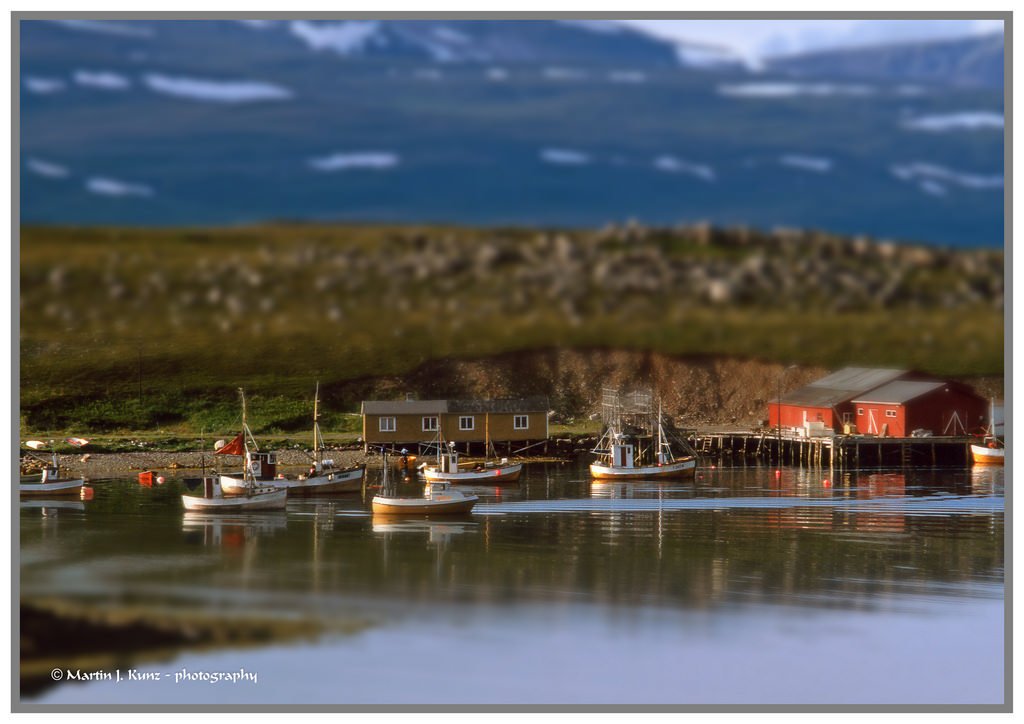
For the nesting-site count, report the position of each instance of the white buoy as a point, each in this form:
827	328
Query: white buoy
160	480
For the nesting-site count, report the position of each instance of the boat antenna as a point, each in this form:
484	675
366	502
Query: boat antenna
317	438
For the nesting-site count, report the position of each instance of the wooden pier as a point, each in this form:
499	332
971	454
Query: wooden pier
834	452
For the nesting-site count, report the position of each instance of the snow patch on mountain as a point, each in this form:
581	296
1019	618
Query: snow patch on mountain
671	164
786	89
105	186
106	27
47	168
815	164
43	86
564	157
921	172
961	121
346	161
102	80
214	91
346	38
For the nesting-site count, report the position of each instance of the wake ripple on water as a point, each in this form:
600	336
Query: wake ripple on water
935	505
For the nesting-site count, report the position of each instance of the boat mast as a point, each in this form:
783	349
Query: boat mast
317	439
246	434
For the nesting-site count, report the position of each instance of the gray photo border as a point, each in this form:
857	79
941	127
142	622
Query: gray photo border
17	706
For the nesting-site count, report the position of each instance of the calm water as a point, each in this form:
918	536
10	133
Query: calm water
736	588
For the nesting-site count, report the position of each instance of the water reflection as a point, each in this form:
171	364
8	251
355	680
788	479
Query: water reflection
232	530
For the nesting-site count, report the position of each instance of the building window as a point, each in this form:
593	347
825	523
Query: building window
466	422
430	424
890	413
521	422
860	410
387	424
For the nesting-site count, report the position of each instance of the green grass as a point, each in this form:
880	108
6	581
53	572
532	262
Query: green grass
121	329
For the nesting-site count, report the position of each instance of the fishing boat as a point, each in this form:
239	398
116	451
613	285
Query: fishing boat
259	466
254	496
621	457
323	477
48	482
438	498
992	451
448	469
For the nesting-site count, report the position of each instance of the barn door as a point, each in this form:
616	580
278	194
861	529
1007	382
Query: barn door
872	425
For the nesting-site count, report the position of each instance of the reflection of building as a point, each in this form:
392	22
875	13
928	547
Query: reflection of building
880	402
406	422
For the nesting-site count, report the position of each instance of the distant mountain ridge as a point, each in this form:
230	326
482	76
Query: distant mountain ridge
975	61
495	122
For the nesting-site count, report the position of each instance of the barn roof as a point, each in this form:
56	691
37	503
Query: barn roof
900	391
840	386
468	407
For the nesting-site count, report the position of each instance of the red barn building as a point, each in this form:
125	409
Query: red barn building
829	400
898	408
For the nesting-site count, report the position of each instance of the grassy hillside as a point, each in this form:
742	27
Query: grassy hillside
157	328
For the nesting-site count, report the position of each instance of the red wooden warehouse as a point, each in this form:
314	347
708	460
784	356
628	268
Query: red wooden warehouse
898	408
830	399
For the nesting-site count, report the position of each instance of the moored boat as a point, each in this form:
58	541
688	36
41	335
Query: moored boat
993	450
449	470
438	498
989	454
620	458
49	482
255	497
323	477
260	467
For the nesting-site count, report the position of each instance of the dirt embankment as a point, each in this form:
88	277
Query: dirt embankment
697	391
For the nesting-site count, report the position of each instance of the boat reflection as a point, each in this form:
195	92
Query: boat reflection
438	531
51	508
987	480
231	530
621	490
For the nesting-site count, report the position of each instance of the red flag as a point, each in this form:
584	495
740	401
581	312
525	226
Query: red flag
235	447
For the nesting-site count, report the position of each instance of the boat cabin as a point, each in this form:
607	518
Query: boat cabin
263	465
622	455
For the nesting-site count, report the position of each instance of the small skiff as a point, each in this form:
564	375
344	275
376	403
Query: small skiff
52	488
438	499
985	455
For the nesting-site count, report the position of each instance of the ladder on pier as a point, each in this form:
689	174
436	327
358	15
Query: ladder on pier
705	447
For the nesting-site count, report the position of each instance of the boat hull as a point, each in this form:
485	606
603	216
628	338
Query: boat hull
499	474
52	489
236	484
341	481
678	469
272	500
418	506
983	455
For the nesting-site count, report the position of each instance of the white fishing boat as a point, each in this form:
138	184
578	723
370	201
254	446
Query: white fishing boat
255	497
259	467
992	450
449	469
252	496
323	477
438	498
48	482
624	458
